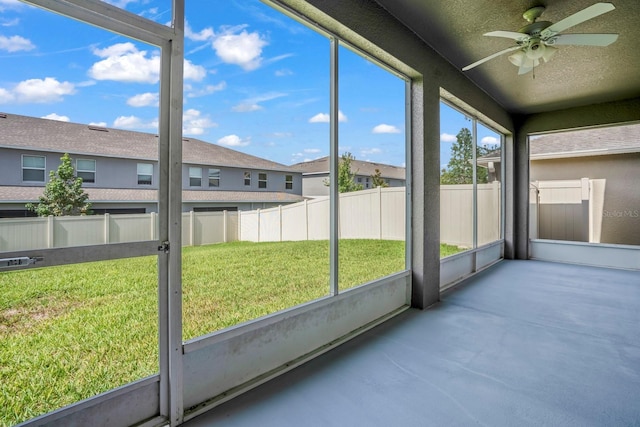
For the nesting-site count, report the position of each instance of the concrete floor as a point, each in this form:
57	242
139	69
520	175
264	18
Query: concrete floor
524	343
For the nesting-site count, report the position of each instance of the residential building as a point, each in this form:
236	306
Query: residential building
120	169
609	159
315	175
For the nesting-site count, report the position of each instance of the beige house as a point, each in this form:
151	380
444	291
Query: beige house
587	183
315	175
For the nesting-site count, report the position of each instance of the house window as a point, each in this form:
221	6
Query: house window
86	169
247	178
145	173
288	182
33	168
214	177
195	177
262	180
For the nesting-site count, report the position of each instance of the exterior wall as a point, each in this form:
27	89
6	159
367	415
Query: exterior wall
232	179
621	207
110	172
313	185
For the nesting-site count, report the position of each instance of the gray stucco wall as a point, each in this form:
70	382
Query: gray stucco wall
232	179
621	212
110	172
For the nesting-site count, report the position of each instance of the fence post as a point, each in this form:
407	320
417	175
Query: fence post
192	231
224	225
306	218
152	230
239	225
280	220
258	222
50	236
106	228
586	220
379	212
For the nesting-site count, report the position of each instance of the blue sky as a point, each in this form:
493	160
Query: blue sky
255	81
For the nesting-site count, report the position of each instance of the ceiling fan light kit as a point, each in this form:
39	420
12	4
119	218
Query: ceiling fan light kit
538	39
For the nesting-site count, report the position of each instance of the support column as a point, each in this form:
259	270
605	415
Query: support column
425	194
517	195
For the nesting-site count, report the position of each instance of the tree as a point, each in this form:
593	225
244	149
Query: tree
63	194
377	180
346	182
460	167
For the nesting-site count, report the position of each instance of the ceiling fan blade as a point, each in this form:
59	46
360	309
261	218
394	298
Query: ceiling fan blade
507	34
528	65
475	64
578	18
524	70
585	39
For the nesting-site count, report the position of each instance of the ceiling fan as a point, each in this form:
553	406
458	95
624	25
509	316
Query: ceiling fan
537	40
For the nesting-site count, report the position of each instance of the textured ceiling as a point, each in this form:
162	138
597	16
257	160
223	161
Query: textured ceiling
576	75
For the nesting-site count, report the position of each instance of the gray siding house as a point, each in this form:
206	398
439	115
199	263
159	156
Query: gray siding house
120	169
316	172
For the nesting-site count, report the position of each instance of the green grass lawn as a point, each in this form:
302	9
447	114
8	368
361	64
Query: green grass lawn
70	332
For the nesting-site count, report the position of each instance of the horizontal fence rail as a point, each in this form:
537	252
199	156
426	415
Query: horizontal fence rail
198	228
368	214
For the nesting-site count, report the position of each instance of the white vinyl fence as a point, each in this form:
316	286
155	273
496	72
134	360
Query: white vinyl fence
368	214
201	228
456	214
566	210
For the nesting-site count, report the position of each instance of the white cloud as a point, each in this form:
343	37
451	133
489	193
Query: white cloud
383	128
283	73
234	141
54	116
8	22
243	49
447	137
6	96
15	44
125	63
246	108
324	118
203	35
194	72
101	124
253	104
282	134
133	122
489	140
144	100
207	90
311	150
37	91
10	4
319	118
193	123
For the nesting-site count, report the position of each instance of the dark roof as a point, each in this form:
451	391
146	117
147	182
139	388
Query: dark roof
15	194
50	135
358	167
580	143
588	142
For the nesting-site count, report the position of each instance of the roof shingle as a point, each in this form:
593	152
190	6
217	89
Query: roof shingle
50	135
